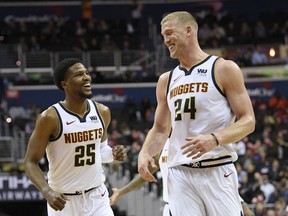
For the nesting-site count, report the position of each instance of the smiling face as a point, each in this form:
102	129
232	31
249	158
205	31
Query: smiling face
178	29
174	37
78	81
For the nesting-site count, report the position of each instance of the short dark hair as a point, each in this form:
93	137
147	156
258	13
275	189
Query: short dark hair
62	69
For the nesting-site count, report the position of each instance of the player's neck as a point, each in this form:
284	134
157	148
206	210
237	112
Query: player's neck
193	59
79	107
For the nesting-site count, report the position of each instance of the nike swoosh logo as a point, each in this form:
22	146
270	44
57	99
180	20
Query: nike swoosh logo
68	123
102	194
226	175
177	78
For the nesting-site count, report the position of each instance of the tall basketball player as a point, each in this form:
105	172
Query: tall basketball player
205	102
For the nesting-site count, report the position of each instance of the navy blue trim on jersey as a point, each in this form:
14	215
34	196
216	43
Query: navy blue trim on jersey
100	117
51	139
191	69
76	115
169	81
214	80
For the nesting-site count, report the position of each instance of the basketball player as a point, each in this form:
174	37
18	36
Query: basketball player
161	162
209	109
73	132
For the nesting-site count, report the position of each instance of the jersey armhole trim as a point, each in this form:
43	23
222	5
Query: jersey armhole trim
214	80
51	139
169	81
100	117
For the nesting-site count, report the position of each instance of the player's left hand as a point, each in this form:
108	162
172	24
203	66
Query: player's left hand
115	196
119	153
195	147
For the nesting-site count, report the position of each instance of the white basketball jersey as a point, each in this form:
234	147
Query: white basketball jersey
74	156
198	106
164	169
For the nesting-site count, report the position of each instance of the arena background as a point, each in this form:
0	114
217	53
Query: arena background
124	79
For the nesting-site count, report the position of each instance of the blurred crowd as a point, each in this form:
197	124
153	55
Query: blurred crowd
216	30
62	34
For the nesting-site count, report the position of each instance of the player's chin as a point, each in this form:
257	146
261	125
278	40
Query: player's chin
172	55
86	95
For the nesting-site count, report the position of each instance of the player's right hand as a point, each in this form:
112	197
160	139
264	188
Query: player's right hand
144	161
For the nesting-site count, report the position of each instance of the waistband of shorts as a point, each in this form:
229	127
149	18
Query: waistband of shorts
79	192
207	163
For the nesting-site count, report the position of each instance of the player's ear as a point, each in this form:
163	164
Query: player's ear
189	30
63	84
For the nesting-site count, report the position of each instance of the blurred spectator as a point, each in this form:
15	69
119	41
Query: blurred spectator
87	12
205	34
275	33
266	186
17	111
244	56
126	45
108	44
34	45
79	29
133	158
282	140
136	15
150	114
260	31
19	115
240	148
271	212
246	34
93	44
91	28
145	105
275	170
103	27
260	209
218	35
259	57
231	33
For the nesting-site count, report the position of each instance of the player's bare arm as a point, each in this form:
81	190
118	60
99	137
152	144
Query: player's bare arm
119	152
240	103
158	134
246	210
47	126
134	184
238	99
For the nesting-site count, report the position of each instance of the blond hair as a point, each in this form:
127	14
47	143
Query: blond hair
182	17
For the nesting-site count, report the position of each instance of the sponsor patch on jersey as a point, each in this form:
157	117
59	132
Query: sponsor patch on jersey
202	72
94	119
